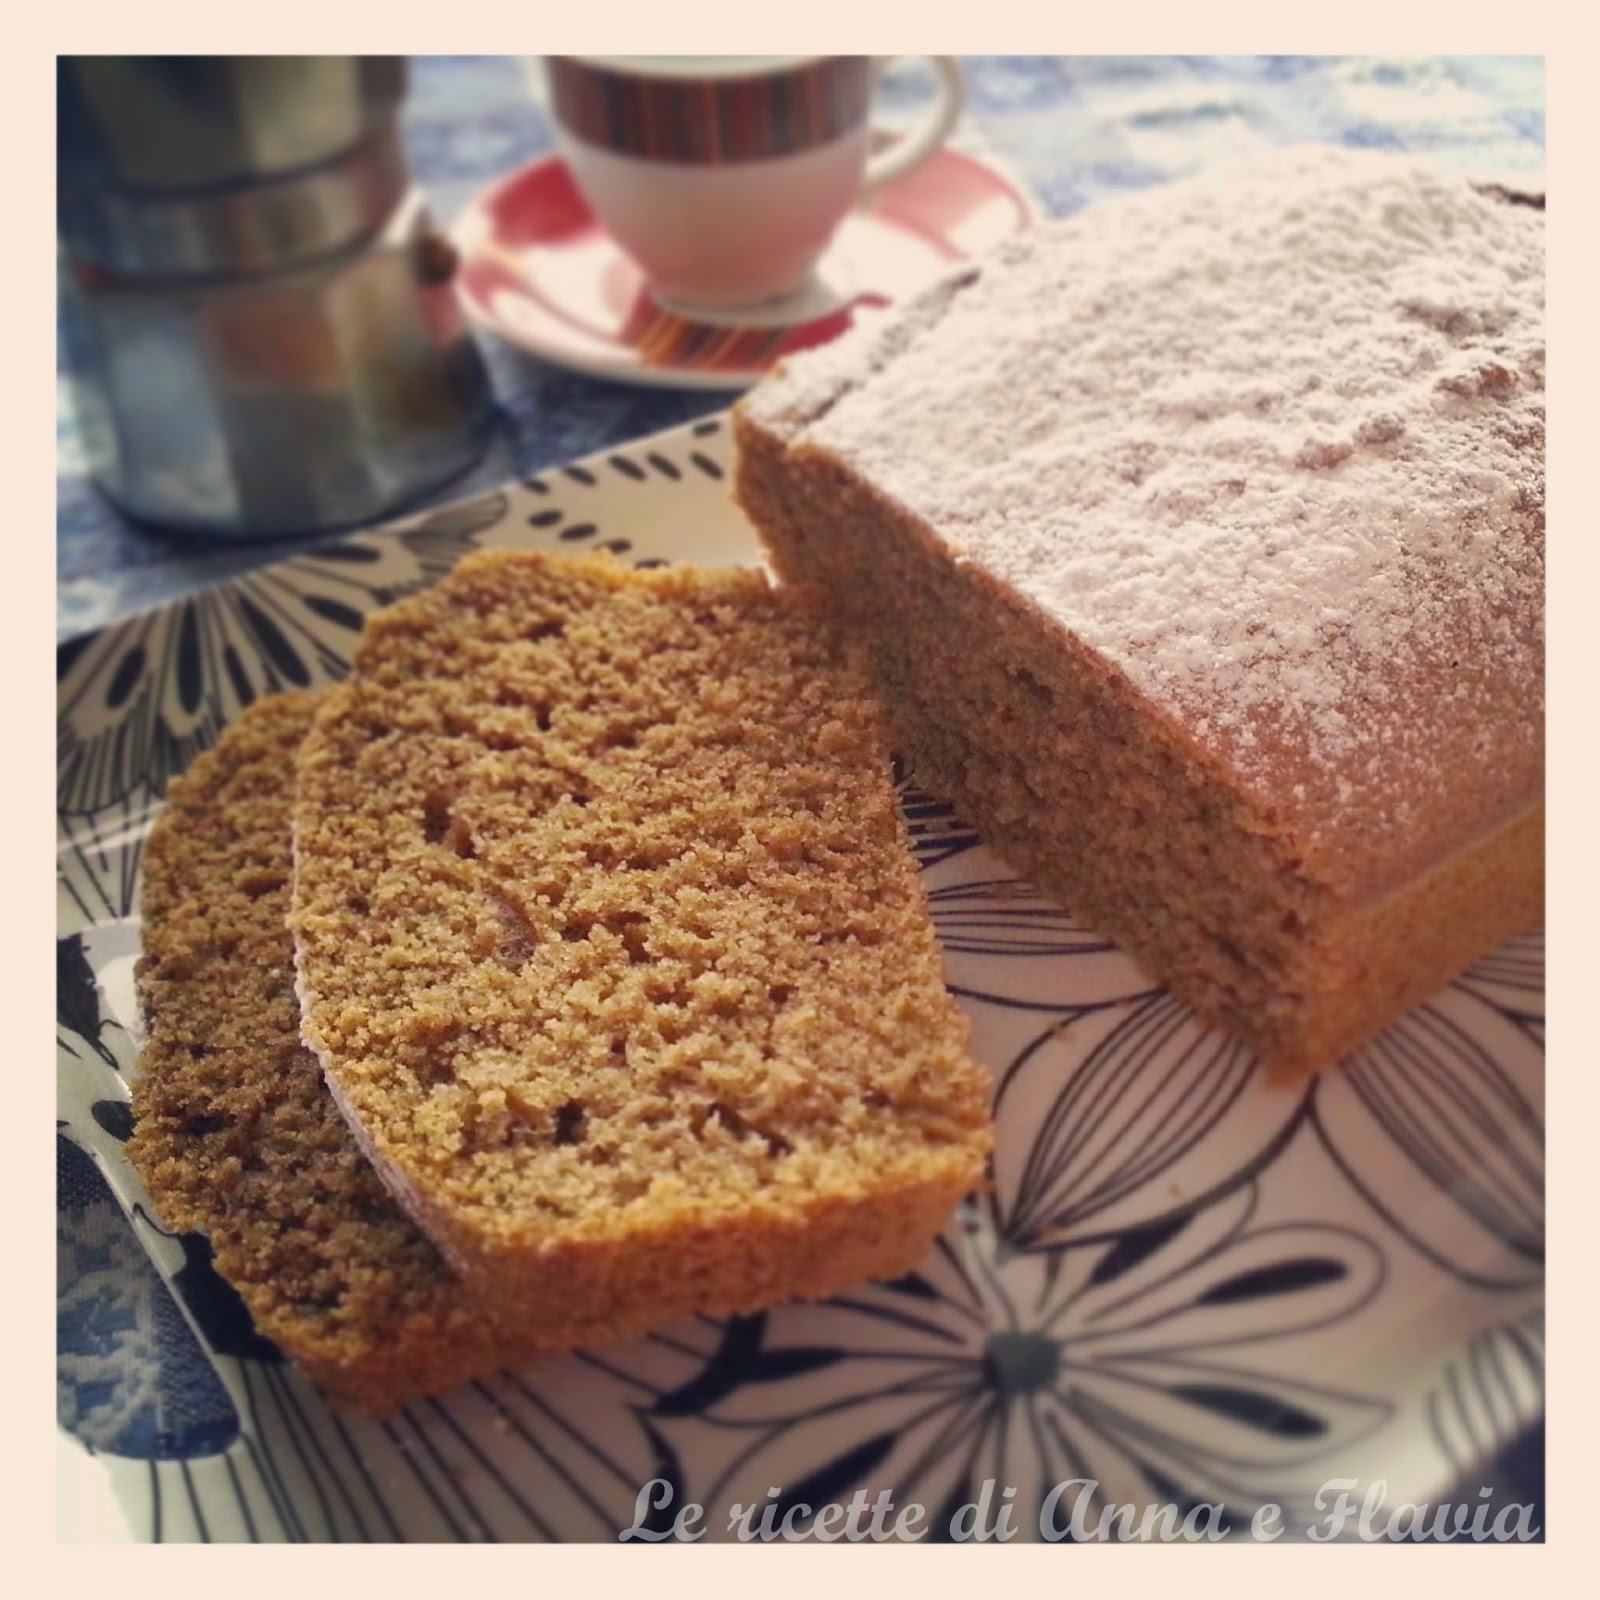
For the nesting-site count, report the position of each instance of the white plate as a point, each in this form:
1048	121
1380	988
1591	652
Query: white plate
1187	1287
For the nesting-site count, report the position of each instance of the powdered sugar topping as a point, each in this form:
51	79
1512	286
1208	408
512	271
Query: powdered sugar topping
1271	440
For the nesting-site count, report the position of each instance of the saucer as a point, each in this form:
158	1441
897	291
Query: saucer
539	271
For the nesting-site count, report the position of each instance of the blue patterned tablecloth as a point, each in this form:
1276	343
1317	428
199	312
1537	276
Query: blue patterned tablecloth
1073	129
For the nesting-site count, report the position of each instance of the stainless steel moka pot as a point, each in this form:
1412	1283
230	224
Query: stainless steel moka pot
259	316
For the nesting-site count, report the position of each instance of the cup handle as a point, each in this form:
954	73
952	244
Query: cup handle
920	142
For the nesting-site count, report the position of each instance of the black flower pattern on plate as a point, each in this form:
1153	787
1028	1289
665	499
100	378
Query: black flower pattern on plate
1139	1363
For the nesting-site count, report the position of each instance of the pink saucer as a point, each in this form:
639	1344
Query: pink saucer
537	270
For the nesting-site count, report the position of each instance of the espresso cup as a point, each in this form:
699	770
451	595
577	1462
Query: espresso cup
725	177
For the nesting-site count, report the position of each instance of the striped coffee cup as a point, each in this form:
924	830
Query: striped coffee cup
724	177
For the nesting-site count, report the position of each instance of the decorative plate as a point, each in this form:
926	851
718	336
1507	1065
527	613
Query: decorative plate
539	271
1187	1289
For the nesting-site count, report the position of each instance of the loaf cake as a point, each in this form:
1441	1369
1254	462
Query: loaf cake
1198	543
235	1133
613	950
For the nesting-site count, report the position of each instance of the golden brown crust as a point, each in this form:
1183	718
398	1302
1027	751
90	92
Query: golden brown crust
1280	933
611	943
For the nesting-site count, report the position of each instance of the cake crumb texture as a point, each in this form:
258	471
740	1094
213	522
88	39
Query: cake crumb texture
235	1134
613	949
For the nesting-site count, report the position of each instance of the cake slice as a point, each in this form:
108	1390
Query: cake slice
235	1133
613	949
1198	543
